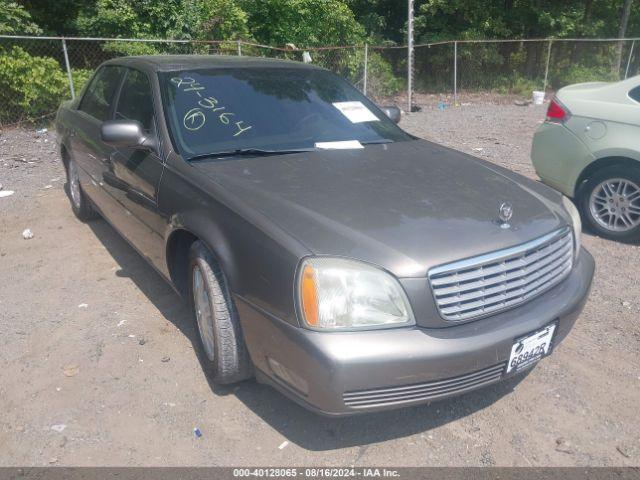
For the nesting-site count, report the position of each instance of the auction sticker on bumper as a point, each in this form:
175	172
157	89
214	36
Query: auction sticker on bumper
528	350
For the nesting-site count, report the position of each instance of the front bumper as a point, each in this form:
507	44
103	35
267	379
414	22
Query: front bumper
343	373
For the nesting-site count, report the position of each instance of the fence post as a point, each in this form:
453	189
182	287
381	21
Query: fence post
546	69
410	55
66	62
455	73
366	67
626	73
239	48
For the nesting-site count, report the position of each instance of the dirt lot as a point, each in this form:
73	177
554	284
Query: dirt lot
97	365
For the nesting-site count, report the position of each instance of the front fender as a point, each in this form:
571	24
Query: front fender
259	259
199	224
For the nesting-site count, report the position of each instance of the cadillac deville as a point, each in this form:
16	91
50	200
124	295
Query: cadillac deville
324	250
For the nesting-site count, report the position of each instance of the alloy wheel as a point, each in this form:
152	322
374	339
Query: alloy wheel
615	204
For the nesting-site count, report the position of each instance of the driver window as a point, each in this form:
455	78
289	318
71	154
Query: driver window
135	102
99	97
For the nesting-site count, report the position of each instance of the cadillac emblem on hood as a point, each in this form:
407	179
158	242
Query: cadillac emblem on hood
505	213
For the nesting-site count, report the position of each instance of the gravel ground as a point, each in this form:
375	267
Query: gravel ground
97	365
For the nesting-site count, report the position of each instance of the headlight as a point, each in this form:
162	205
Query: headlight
339	294
576	223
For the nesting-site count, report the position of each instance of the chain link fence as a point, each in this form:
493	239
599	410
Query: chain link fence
519	67
37	73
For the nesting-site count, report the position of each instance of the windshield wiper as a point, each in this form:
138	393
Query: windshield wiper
375	142
257	152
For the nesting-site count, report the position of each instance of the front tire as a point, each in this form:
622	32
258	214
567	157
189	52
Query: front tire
80	204
610	203
220	340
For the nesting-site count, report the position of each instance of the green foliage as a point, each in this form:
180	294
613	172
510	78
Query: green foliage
381	81
15	20
516	84
584	62
319	22
130	48
305	23
56	17
114	18
470	19
171	19
222	20
382	19
31	86
580	74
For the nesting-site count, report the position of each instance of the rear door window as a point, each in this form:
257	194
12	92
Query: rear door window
635	94
98	99
136	102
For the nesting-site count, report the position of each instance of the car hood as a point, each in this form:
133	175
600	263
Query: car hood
405	206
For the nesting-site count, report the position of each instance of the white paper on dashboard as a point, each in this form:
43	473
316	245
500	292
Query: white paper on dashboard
356	112
344	145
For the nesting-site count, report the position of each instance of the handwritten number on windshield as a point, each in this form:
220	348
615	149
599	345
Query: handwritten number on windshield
195	118
240	129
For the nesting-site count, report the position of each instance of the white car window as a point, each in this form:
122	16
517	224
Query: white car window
635	94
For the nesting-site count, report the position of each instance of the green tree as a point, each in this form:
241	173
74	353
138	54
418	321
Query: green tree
383	20
469	19
56	17
304	23
172	19
223	20
113	18
15	20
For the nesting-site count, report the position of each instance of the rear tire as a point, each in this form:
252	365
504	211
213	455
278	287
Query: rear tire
609	202
220	340
80	204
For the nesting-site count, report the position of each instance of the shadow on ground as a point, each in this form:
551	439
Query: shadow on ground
314	432
306	429
154	287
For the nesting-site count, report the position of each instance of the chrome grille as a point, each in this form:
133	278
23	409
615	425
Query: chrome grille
496	281
423	391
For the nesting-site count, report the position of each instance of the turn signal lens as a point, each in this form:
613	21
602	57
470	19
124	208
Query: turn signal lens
557	112
309	294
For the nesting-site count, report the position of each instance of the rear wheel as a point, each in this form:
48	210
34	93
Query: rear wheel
220	339
80	204
610	203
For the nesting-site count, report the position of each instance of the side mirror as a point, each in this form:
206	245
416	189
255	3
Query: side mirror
126	133
393	113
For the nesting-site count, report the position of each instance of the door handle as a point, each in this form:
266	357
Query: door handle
141	199
113	181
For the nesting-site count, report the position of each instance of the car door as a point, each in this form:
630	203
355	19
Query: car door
132	175
87	149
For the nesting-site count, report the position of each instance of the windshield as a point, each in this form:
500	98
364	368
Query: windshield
228	109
